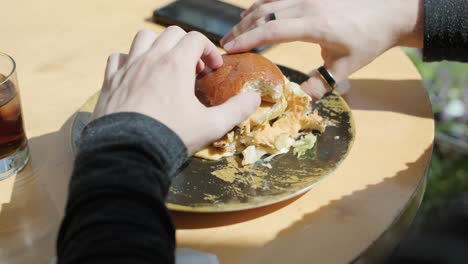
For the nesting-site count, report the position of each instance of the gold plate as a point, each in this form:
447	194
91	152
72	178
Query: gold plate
223	186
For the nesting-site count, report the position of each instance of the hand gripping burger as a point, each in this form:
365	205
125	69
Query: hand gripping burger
284	119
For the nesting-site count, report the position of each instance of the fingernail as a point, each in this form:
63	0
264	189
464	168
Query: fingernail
230	45
226	38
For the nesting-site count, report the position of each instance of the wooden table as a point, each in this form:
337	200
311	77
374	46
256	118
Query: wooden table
61	47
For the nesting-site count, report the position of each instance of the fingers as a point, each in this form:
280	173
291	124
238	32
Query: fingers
141	43
317	87
200	66
167	40
189	49
273	32
343	87
259	16
194	46
255	6
114	63
234	111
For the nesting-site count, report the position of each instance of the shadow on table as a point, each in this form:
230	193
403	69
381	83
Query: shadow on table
206	220
30	215
52	156
380	95
297	236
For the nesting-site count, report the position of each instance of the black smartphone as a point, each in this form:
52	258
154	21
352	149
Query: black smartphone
211	17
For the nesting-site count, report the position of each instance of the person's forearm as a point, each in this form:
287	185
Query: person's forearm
116	212
411	22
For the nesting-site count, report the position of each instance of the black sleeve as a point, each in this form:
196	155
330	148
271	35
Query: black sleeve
115	211
445	30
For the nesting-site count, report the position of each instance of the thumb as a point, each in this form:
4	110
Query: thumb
235	110
317	87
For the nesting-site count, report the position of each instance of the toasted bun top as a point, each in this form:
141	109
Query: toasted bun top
238	70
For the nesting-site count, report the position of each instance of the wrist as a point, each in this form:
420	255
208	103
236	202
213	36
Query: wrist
127	133
411	27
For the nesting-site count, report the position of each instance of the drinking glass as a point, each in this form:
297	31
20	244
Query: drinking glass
14	153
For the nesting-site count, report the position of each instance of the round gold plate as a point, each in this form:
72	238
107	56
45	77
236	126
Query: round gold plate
222	186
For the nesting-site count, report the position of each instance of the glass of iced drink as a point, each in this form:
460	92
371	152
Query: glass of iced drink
14	154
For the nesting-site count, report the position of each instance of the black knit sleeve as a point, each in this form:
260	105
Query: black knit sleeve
115	211
446	30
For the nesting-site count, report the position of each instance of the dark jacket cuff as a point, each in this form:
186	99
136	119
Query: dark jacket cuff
445	30
135	131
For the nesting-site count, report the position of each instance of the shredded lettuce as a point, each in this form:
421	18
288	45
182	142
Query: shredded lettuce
303	145
281	151
252	154
283	141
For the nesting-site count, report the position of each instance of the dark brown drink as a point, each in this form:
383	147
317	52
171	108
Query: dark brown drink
12	135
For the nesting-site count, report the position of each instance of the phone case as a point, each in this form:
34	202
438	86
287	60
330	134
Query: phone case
192	14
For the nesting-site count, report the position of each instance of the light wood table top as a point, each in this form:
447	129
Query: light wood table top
61	47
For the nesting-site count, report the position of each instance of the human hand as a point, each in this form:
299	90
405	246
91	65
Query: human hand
350	33
157	79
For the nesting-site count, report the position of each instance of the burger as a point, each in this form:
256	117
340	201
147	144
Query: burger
284	119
